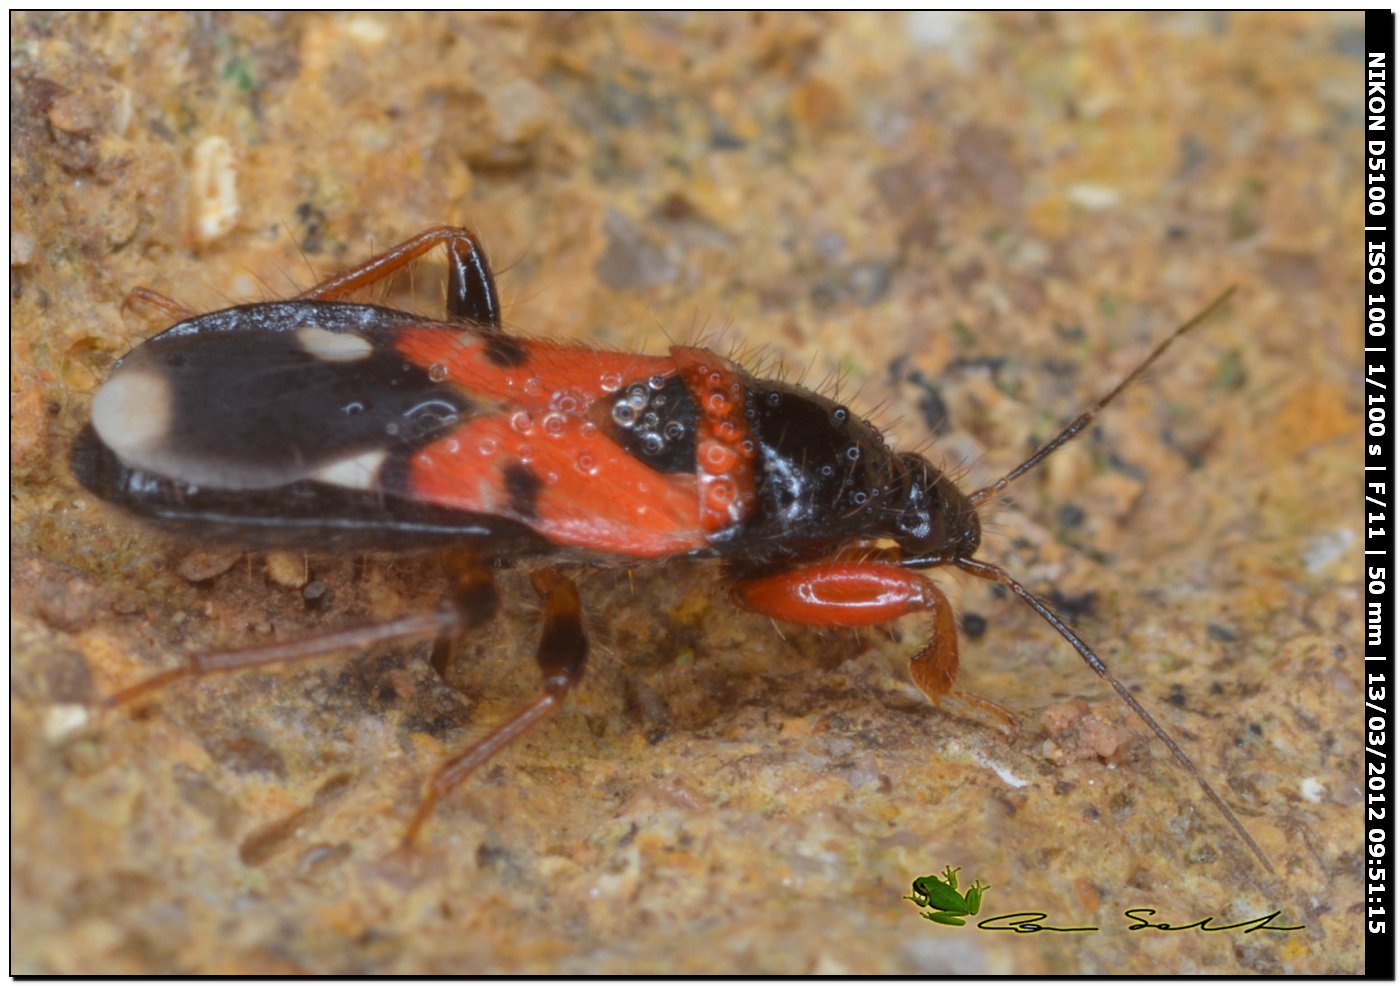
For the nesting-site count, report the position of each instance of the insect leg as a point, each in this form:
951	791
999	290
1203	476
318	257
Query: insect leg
472	603
562	653
474	591
155	299
859	593
471	289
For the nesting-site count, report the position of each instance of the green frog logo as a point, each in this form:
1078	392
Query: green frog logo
940	895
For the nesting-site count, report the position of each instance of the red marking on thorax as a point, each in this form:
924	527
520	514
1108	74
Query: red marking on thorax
724	447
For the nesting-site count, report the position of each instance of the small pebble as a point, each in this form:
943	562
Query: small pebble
287	568
201	566
64	721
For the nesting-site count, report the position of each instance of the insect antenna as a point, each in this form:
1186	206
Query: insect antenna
993	573
1080	423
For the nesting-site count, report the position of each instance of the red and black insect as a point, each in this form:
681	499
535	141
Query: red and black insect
322	424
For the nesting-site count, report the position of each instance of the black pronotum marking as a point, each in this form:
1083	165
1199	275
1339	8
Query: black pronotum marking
819	464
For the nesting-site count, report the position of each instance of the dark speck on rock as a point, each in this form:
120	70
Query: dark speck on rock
1221	633
1070	515
974	625
631	260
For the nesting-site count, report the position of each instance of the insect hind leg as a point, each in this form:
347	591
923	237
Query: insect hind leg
562	655
472	603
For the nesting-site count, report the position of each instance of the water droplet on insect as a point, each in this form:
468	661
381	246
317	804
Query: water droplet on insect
624	414
675	430
532	386
652	444
839	415
554	425
586	464
656	382
522	422
587	430
487	446
853	452
437	373
610	382
451	446
774	398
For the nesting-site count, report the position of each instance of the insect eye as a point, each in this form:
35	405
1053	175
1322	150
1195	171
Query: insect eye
914	523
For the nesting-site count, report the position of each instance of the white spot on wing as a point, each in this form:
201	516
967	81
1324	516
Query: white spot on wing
359	472
131	413
333	347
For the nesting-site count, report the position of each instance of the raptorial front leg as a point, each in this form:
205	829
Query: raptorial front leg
861	593
471	288
562	655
